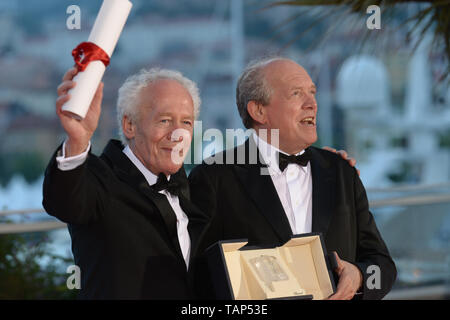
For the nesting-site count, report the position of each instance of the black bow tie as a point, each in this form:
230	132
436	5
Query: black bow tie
174	186
284	160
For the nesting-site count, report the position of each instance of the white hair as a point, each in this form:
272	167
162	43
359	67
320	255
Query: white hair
129	92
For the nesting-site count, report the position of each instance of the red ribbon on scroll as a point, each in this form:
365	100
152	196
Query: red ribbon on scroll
90	52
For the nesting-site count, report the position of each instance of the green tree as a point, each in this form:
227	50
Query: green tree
22	273
30	165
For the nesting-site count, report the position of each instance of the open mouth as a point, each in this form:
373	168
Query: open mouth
309	121
167	149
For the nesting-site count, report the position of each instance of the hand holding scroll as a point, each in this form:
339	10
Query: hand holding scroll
79	132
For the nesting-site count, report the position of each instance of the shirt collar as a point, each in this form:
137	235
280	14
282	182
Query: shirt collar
269	153
149	176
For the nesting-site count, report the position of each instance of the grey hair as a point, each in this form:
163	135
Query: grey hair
252	86
129	92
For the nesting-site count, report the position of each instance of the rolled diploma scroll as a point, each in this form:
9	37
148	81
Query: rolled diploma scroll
105	34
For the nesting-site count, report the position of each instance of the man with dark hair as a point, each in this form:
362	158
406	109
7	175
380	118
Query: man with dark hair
293	188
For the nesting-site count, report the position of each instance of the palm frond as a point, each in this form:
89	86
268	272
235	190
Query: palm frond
435	18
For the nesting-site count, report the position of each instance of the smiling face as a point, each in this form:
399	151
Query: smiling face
292	108
164	107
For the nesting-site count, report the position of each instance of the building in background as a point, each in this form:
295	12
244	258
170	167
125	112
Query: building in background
380	103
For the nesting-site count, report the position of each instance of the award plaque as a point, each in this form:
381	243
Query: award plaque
300	269
268	270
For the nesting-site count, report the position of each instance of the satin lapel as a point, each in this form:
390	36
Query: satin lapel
323	181
127	172
167	213
262	191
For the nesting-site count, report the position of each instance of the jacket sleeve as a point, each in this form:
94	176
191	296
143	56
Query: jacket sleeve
75	196
372	256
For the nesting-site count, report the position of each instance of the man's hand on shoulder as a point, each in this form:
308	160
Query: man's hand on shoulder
344	155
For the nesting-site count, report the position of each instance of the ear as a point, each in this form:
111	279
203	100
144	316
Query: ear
257	111
128	127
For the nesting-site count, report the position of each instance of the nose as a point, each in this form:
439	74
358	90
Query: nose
310	102
174	135
179	134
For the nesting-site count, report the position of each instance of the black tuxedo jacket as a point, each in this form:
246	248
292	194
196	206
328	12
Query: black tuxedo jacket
243	204
124	236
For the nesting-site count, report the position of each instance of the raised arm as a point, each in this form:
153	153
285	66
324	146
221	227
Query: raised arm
72	188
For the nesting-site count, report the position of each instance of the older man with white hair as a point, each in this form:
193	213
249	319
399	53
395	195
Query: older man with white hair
127	210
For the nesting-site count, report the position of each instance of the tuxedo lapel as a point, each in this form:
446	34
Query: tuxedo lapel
166	212
323	192
127	172
263	193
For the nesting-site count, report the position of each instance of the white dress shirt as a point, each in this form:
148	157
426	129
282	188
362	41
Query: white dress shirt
293	185
70	163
